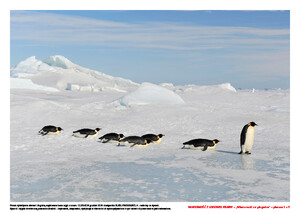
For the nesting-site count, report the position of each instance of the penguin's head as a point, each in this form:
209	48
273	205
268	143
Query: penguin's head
252	124
121	136
59	129
148	141
160	135
216	141
97	129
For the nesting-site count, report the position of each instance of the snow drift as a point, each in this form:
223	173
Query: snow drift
16	83
224	87
60	73
149	93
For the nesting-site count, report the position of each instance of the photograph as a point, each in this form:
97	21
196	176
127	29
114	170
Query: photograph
149	106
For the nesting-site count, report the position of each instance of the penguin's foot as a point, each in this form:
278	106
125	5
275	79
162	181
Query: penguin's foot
241	152
248	153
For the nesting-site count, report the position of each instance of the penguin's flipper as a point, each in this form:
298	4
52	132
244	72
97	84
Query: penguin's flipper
132	145
87	135
204	148
44	133
105	140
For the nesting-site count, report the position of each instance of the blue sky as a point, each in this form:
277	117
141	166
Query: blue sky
249	49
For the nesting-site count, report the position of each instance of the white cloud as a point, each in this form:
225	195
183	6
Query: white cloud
73	30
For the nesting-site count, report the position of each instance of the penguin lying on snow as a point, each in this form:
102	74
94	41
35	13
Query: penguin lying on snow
200	143
247	138
86	133
135	141
50	130
111	138
155	138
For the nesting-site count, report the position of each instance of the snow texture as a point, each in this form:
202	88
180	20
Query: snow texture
64	168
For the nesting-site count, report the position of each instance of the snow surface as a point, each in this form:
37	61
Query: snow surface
65	168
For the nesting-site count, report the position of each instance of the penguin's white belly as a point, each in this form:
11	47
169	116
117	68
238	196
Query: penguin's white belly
125	143
53	133
140	145
78	135
111	141
200	147
249	139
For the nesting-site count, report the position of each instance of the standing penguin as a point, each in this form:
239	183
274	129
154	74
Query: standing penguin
50	130
155	138
85	133
247	138
111	138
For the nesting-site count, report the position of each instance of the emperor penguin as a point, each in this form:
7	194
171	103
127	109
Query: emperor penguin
111	138
247	138
135	141
155	138
201	144
50	130
86	133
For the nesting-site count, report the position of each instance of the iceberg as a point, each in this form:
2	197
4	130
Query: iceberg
149	93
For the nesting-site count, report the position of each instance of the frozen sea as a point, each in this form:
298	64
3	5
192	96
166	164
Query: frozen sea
64	168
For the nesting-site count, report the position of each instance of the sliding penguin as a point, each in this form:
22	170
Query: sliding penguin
247	138
86	133
135	141
201	144
155	138
50	130
111	138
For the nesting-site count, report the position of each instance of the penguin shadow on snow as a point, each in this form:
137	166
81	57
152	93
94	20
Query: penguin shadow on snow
228	152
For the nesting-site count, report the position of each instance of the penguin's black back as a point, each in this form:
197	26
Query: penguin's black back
151	137
199	142
243	134
85	131
114	136
134	139
49	128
